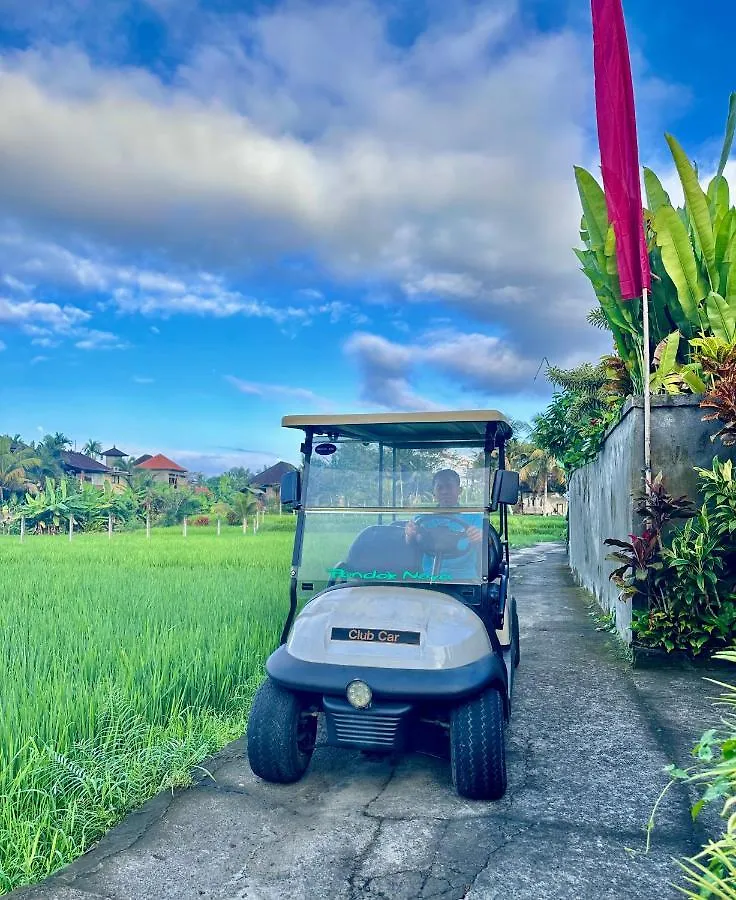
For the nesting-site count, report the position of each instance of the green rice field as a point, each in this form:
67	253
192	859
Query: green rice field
124	664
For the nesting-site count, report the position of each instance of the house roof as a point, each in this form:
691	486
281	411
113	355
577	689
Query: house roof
81	463
160	463
273	475
113	451
142	459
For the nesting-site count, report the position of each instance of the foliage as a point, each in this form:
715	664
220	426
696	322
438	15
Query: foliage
681	583
92	448
590	398
15	461
692	255
721	398
712	872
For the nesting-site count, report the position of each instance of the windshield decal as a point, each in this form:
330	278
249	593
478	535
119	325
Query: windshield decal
375	575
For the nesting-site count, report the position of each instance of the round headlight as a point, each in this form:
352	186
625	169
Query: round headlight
359	694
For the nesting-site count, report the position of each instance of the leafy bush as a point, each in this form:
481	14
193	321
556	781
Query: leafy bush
681	584
712	872
201	520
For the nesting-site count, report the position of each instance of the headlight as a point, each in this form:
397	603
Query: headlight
359	694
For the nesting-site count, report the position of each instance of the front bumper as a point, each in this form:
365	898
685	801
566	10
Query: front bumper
412	685
383	726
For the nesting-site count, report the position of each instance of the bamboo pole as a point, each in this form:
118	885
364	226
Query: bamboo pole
647	395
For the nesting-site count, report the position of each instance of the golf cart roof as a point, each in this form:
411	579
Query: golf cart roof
464	426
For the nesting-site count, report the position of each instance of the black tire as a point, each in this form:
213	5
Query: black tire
477	747
515	636
281	734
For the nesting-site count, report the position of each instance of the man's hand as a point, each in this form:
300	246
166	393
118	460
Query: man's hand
474	535
410	531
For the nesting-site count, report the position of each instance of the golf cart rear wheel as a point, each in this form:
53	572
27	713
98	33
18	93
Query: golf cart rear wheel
281	734
477	747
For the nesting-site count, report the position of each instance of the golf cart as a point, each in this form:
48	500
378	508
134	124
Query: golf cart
408	633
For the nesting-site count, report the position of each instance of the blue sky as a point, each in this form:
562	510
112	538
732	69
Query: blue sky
216	213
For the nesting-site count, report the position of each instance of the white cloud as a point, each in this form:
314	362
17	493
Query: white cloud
92	339
470	362
26	313
422	164
140	379
278	392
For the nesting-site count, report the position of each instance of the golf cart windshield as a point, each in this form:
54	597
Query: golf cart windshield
377	514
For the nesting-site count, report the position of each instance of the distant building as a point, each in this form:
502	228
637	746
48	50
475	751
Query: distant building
532	503
163	469
85	468
269	482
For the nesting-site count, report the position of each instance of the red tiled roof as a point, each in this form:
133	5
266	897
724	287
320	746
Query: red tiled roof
160	463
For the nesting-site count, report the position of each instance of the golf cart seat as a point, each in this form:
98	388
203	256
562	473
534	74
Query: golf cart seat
381	547
495	553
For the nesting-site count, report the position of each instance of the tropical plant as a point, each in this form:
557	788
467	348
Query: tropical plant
721	398
245	504
15	461
49	510
692	255
541	467
92	448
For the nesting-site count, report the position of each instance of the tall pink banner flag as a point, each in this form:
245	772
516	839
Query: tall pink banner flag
614	105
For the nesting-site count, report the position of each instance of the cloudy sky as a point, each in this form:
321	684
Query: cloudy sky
214	213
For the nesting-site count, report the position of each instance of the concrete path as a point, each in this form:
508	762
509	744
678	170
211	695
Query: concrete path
587	746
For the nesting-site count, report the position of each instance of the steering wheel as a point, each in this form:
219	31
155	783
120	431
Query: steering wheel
442	535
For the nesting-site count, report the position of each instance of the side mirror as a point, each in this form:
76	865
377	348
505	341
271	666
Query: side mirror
290	488
505	488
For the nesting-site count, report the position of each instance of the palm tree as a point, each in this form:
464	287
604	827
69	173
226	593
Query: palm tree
14	464
92	448
59	440
540	467
245	503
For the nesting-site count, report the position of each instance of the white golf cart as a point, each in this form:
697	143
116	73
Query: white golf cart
408	635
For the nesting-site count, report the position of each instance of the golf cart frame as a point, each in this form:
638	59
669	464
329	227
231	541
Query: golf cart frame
465	696
457	429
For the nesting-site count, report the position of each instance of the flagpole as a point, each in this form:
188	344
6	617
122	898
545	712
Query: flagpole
647	394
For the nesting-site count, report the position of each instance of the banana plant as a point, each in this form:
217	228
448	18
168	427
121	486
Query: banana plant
692	256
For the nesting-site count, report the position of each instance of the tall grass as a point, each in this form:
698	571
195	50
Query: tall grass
123	664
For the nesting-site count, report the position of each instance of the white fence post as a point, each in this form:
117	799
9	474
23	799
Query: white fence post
71	526
148	523
218	527
185	526
22	528
109	527
245	525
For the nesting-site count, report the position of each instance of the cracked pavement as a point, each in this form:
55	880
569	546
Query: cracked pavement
587	744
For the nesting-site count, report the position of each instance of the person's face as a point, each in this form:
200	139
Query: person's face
447	491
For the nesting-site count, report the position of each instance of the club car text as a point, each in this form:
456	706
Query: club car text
375	635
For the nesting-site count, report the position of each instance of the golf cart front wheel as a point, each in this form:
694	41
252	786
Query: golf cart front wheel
281	734
477	747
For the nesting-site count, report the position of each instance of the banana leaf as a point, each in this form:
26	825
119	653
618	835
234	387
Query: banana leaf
656	195
728	139
718	201
679	261
721	316
697	206
593	201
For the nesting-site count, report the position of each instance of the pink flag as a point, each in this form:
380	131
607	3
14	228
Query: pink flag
614	104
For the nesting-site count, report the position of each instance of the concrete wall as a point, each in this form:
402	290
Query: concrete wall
601	493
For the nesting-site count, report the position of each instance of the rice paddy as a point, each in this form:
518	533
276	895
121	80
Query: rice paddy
124	664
